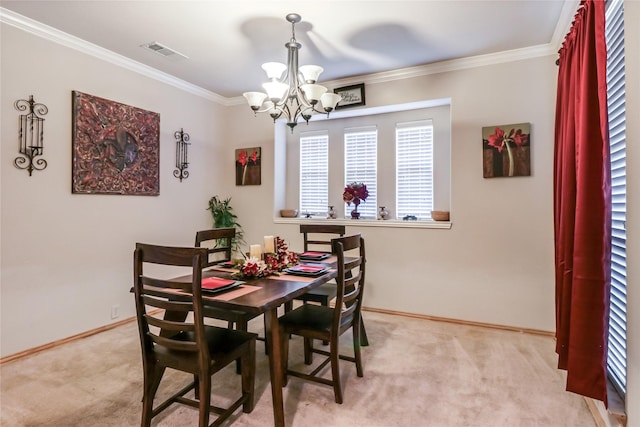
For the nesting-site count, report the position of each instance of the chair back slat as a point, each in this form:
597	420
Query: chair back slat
311	239
175	345
218	242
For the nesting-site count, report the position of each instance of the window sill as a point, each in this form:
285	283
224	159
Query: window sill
391	223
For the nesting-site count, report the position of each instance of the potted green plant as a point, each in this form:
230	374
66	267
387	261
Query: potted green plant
223	217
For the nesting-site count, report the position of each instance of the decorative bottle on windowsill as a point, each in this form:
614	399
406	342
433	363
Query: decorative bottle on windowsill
383	213
331	213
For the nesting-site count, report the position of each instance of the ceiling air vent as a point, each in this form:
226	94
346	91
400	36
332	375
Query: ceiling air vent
163	50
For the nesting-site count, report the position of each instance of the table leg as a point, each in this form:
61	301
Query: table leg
275	365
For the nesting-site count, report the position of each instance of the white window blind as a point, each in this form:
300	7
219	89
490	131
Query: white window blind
414	169
617	345
361	165
314	172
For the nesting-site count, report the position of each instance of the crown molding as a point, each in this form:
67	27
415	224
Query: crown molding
49	33
41	30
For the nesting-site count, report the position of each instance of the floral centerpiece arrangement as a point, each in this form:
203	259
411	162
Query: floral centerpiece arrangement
355	193
254	268
282	258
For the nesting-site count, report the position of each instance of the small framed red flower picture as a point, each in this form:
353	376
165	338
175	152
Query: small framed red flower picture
506	150
248	166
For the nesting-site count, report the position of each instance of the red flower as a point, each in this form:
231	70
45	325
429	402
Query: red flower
520	138
242	158
497	139
254	156
355	193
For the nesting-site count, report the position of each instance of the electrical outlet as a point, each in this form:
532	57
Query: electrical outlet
115	311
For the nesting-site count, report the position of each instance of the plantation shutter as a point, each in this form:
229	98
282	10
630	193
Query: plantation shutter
361	165
314	172
414	169
617	348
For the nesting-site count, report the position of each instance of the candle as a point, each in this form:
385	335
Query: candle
255	251
269	245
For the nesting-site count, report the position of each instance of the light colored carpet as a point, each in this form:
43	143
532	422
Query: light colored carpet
416	373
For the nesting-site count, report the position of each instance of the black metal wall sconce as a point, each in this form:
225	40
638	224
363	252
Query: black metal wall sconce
31	135
181	155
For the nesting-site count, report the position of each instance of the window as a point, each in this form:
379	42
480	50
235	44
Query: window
314	172
414	169
361	165
617	351
313	164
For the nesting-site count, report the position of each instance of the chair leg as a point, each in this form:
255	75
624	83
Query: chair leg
249	376
152	376
288	306
308	351
335	370
196	386
240	326
364	340
205	399
267	338
356	347
325	302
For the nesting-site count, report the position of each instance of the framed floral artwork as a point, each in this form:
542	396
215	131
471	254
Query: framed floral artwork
116	148
248	169
506	150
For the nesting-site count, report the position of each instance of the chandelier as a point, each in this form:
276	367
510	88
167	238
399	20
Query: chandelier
294	94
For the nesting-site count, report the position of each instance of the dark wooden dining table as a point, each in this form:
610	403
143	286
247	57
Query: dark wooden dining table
264	296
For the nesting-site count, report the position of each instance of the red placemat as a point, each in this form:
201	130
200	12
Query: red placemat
216	282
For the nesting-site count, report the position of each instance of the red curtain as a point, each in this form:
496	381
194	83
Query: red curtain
582	205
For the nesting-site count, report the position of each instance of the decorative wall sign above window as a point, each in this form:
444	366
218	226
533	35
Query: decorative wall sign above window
352	96
506	150
116	148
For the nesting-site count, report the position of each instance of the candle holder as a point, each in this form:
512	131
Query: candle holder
31	135
181	155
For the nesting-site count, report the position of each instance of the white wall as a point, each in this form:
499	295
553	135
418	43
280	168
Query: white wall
67	258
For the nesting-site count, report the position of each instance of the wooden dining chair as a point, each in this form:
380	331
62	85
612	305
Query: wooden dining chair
312	321
172	341
313	241
218	242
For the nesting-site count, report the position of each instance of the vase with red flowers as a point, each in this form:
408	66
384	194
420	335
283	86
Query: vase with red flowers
355	193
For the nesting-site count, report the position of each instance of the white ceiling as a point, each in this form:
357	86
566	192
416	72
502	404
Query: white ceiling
226	41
